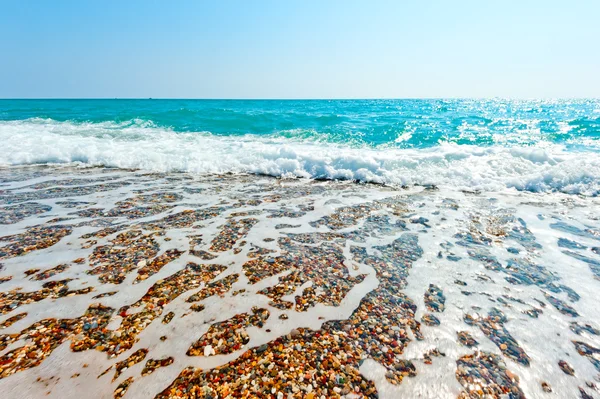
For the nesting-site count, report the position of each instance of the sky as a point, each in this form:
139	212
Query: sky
299	49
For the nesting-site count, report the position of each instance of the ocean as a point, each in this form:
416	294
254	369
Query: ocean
535	145
376	249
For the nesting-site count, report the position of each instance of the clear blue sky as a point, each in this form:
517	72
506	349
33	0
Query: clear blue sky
299	49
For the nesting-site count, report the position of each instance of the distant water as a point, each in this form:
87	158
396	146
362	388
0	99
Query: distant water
467	144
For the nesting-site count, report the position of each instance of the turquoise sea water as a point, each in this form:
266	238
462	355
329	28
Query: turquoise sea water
485	144
399	123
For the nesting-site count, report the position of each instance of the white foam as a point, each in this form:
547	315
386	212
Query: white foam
142	145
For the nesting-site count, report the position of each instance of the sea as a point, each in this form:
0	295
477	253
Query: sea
317	249
496	144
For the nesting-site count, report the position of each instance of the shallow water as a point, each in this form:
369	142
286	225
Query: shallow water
239	284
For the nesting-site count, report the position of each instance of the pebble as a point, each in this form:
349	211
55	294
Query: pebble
208	351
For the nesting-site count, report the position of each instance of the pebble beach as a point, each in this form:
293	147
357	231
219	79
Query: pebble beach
125	283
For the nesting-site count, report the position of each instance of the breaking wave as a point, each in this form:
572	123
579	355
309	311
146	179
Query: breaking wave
545	167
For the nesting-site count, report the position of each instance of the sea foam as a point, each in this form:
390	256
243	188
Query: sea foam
142	145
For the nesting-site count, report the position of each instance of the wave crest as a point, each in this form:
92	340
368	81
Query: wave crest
142	145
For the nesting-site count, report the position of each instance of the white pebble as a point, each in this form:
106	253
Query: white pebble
208	350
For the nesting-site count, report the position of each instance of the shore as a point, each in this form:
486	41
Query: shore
120	283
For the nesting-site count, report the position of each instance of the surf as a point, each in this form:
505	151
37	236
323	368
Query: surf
143	144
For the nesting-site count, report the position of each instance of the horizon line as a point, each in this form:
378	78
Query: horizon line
298	98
